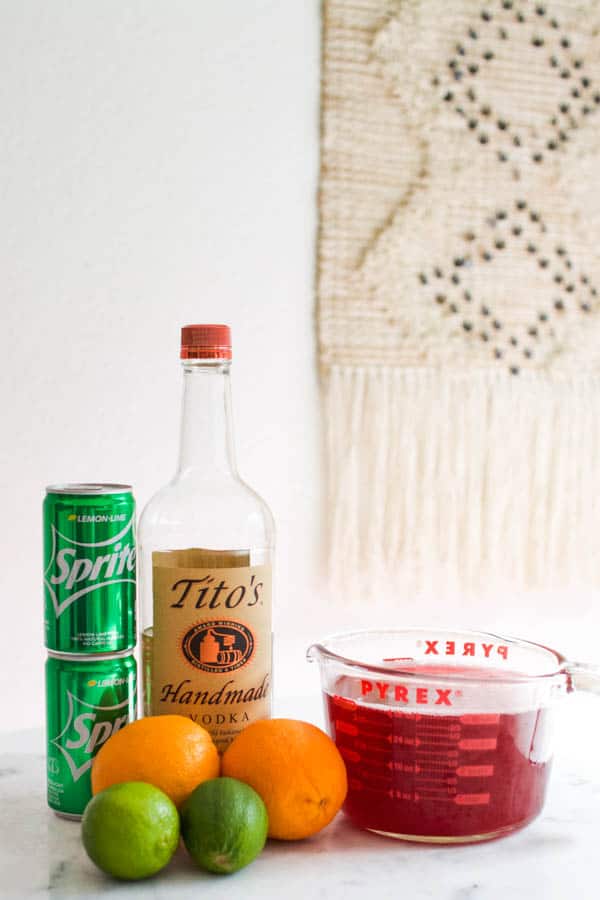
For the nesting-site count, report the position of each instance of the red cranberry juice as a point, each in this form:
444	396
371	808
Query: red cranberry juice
437	775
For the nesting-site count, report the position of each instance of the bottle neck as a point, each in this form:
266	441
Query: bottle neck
206	445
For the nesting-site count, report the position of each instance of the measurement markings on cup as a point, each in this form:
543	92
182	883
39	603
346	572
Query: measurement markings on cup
441	749
472	799
342	727
436	780
367	748
475	771
489	743
432	758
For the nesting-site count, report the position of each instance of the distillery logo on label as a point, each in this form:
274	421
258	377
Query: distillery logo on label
218	646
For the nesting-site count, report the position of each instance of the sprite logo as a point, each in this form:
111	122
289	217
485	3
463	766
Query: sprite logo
77	568
87	728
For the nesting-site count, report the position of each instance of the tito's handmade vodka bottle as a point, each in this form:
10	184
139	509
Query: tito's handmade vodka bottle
206	544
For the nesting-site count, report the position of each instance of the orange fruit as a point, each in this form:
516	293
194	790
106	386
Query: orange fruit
295	768
171	752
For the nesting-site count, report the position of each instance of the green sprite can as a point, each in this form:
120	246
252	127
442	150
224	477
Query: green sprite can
88	699
89	568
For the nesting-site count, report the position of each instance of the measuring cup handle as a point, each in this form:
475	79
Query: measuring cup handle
584	677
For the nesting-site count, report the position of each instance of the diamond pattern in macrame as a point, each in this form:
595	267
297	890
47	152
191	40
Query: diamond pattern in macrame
482	158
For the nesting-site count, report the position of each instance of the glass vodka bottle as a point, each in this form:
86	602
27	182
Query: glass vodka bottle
206	544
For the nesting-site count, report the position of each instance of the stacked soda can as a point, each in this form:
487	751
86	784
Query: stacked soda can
90	629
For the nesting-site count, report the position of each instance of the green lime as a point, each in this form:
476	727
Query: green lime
130	830
224	825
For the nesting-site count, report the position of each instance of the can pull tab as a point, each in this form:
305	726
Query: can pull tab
583	677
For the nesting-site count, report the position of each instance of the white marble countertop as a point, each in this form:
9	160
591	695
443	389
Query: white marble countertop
555	858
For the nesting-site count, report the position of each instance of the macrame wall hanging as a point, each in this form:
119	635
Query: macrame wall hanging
459	279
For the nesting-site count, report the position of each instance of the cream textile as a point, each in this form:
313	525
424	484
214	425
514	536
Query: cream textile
459	270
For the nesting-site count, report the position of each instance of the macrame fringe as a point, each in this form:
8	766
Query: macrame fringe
450	482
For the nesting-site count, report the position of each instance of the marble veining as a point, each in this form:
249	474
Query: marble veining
468	893
555	858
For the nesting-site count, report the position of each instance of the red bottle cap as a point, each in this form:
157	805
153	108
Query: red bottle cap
205	342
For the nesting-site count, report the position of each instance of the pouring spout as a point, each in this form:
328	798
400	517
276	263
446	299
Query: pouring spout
313	654
583	677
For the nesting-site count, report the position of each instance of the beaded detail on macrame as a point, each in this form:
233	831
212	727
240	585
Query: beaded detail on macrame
567	288
527	216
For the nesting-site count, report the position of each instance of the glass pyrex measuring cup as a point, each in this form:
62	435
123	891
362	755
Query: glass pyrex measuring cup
445	734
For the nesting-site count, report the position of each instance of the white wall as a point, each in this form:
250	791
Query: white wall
159	166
